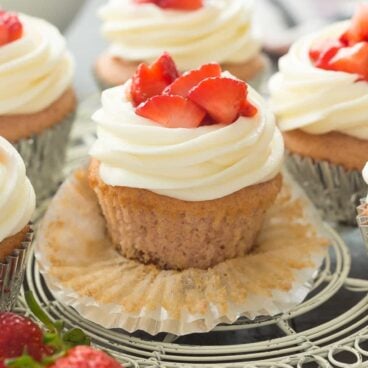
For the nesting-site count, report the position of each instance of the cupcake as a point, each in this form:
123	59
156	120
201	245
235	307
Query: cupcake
194	32
320	98
17	203
362	217
185	170
38	102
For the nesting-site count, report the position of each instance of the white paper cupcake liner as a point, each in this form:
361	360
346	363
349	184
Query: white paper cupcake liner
12	274
83	269
362	219
334	190
44	156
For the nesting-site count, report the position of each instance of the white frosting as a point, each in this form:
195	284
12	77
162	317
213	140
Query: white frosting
196	164
220	31
17	198
365	173
315	100
34	70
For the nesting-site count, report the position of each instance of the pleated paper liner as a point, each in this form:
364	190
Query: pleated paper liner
362	219
333	189
83	269
12	273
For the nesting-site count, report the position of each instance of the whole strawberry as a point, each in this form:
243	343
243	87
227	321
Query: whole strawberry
19	334
86	357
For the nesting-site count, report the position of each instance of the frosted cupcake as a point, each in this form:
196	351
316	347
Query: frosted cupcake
362	218
37	101
320	98
17	203
185	170
194	32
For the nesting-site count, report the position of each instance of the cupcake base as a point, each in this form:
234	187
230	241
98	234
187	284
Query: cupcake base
111	71
334	190
13	256
83	269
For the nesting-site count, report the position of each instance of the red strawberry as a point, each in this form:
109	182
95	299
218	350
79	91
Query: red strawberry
151	80
220	97
11	28
358	29
172	111
86	357
18	335
324	51
175	4
247	109
352	60
182	85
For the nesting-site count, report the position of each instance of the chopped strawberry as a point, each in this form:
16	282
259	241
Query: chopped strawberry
247	109
324	51
11	29
182	85
220	97
151	80
358	29
352	60
172	111
174	4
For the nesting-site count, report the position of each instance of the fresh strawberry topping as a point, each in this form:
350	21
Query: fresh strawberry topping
86	357
182	85
18	335
11	28
352	60
349	52
358	29
247	109
174	4
220	97
151	80
172	111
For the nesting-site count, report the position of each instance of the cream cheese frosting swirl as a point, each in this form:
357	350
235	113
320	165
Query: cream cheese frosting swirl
17	198
36	69
195	164
315	100
220	31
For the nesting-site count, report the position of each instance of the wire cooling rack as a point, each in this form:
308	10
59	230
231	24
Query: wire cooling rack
290	340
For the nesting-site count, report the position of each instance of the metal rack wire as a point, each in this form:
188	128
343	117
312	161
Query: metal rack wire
279	341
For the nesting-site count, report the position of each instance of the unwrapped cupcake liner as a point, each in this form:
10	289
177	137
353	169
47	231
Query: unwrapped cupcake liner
44	156
334	190
83	270
12	273
362	219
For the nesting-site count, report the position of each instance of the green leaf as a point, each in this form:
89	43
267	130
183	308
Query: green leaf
25	361
76	337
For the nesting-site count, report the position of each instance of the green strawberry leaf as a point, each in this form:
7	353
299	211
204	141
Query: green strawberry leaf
76	337
25	361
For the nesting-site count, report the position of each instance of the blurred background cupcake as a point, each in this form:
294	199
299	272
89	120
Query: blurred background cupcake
320	98
37	100
362	217
17	204
194	32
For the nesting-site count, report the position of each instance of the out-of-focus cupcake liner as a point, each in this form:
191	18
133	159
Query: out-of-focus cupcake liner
44	156
334	190
12	273
83	269
362	219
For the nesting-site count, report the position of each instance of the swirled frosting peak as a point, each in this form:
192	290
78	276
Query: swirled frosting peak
315	100
17	198
36	68
192	164
219	31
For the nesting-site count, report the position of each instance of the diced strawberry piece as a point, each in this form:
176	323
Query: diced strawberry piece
11	28
324	51
352	60
172	111
247	109
151	80
182	85
358	29
174	4
220	97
